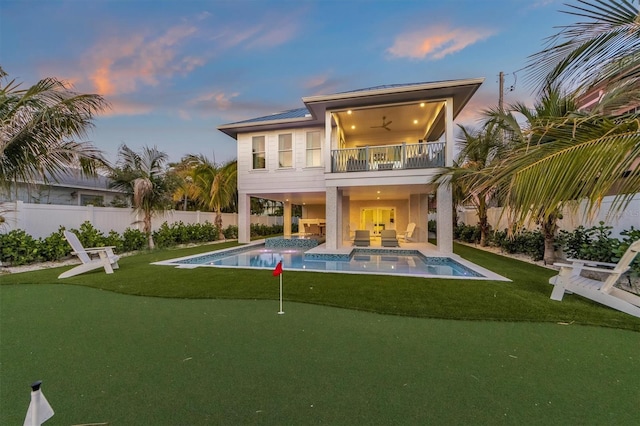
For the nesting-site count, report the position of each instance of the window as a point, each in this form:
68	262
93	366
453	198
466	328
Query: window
94	200
258	152
314	149
285	151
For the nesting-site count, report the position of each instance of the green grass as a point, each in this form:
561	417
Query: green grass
524	299
185	356
108	357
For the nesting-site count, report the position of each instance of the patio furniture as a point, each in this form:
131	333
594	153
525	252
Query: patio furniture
407	236
388	238
362	239
103	257
571	279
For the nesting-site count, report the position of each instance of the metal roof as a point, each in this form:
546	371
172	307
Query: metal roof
284	115
316	106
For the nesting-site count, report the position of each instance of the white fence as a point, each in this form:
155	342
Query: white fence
42	220
571	219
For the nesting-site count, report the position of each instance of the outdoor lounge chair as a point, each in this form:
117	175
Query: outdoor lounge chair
103	257
407	235
571	280
362	238
388	238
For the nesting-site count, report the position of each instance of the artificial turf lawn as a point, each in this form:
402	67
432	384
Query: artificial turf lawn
526	298
107	357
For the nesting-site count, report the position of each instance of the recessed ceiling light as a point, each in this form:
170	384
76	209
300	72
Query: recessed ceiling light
349	112
353	126
415	121
377	198
421	104
378	192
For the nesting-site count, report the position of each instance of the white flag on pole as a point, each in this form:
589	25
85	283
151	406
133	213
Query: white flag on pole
39	409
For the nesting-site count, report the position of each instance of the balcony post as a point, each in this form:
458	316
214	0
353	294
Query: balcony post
366	157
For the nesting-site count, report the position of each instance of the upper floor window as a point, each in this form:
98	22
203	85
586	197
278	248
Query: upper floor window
258	152
314	149
285	151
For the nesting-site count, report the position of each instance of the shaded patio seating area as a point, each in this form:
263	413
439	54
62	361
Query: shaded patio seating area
388	238
362	238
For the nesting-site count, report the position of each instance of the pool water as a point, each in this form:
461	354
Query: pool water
410	262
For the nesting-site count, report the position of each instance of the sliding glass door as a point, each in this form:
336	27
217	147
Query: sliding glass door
377	219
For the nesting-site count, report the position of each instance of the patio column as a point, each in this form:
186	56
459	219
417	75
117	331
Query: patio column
287	218
244	218
331	215
445	218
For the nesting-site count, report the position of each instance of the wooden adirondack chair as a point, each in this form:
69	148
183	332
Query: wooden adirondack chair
571	280
103	257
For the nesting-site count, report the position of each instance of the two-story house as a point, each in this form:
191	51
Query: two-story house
361	159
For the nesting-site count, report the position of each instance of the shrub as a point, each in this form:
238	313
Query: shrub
54	247
89	236
231	232
18	248
133	239
590	244
467	233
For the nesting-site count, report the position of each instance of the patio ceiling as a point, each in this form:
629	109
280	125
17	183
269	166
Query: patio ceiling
359	193
411	121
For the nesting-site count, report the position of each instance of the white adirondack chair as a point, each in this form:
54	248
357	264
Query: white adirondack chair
407	235
103	257
571	280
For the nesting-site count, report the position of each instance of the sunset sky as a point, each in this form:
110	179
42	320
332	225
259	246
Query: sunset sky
173	71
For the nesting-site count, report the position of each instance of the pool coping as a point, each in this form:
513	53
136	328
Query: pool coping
487	275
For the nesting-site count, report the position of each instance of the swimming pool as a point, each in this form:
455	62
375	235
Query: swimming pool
358	261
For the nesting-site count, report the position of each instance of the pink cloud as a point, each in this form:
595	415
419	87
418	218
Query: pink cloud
120	64
436	42
120	106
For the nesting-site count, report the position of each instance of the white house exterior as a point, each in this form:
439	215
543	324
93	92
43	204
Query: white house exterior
361	159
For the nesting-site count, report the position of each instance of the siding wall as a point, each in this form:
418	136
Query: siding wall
298	178
49	194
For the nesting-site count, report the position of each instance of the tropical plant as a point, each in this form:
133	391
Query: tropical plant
479	149
601	54
38	128
143	176
601	50
212	186
529	139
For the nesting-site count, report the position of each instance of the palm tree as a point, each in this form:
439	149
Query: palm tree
214	187
479	149
38	128
142	176
528	140
600	50
594	154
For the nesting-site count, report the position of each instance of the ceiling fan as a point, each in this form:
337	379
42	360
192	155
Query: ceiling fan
385	124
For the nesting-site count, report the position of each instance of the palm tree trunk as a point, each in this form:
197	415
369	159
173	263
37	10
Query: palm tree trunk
549	227
218	223
483	221
147	230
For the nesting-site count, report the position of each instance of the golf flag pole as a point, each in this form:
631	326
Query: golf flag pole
278	272
39	409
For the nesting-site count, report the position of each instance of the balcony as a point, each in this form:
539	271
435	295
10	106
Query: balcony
388	157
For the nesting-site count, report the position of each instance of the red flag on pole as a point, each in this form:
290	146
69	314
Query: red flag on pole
278	269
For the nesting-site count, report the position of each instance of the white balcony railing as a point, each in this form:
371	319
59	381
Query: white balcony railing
388	157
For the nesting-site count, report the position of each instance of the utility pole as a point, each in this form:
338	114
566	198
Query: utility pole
501	93
501	103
